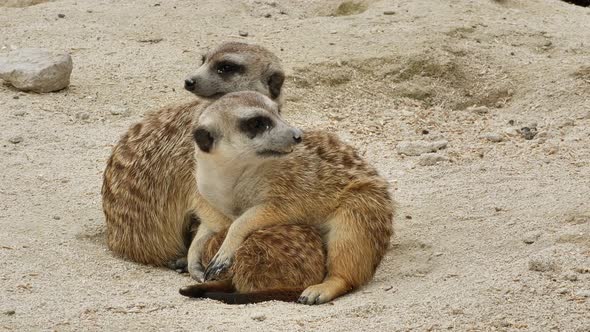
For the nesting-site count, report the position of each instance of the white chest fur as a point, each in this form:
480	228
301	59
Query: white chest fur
216	183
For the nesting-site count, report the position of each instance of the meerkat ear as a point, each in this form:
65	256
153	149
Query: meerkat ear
203	138
275	83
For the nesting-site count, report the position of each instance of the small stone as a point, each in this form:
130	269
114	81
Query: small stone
528	132
437	254
333	32
416	148
389	12
243	33
82	116
118	110
34	69
431	159
15	97
388	288
457	311
512	132
267	15
9	312
61	15
571	276
56	217
562	291
531	238
583	293
258	317
478	109
492	137
15	139
542	264
19	113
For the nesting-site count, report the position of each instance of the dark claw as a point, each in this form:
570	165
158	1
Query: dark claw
214	270
302	300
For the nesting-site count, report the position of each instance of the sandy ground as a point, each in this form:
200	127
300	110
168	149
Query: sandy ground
494	237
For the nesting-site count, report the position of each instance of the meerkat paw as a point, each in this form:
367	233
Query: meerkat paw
196	271
179	265
316	294
219	264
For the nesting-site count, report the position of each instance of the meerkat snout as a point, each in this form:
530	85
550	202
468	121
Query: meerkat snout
189	84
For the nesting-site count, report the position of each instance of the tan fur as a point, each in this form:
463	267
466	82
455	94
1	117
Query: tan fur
323	182
149	190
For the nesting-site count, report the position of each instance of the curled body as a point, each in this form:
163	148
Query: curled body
255	171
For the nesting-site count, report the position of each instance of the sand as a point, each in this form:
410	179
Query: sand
492	232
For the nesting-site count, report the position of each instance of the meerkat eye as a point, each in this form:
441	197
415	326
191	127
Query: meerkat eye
225	68
255	126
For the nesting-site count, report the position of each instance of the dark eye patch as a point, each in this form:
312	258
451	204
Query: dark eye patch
255	126
228	67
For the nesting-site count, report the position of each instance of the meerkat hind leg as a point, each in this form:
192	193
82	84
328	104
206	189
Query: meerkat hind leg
349	260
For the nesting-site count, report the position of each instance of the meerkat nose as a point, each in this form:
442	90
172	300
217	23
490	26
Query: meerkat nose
297	136
189	84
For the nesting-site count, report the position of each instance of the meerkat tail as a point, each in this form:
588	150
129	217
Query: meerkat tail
283	295
199	290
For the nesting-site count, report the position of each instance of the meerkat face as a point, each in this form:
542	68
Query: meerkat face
244	127
235	67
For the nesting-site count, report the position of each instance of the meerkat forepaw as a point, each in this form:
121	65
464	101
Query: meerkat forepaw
196	271
179	265
316	294
217	266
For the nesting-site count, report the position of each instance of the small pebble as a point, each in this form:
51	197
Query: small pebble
583	293
388	288
511	132
56	217
258	317
267	15
389	12
243	33
478	109
437	254
15	139
541	264
10	312
15	97
431	159
492	137
567	123
531	238
19	113
562	291
61	15
416	148
528	132
82	116
571	276
118	111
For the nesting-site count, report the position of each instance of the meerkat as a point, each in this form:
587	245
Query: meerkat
148	185
275	263
254	170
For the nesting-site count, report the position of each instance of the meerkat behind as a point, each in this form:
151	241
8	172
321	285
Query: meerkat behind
254	171
275	263
148	186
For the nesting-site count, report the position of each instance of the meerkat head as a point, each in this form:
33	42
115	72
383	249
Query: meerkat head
235	66
244	127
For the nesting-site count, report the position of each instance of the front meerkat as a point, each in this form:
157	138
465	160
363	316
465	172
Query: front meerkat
148	186
254	171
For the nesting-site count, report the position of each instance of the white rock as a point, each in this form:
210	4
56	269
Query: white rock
416	148
35	69
478	109
583	293
258	317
